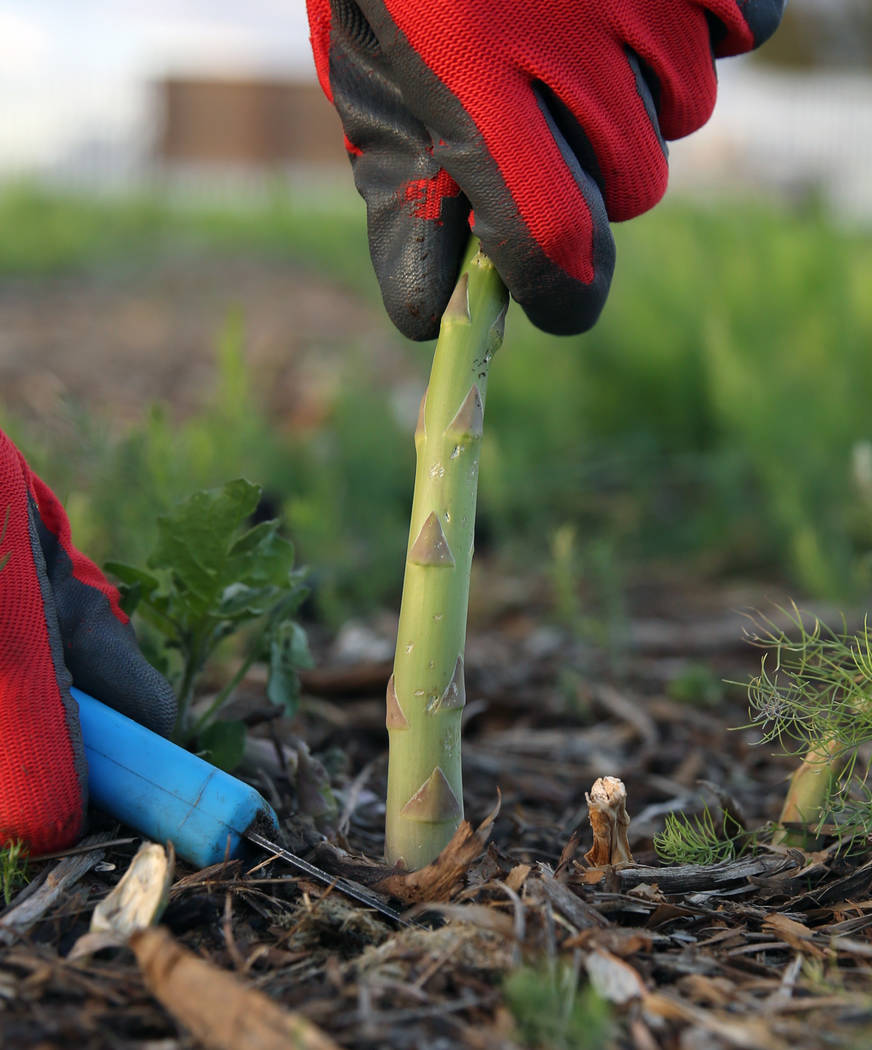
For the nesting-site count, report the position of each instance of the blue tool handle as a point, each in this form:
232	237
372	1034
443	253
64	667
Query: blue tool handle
165	792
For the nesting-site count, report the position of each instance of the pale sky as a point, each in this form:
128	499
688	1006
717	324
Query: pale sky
72	70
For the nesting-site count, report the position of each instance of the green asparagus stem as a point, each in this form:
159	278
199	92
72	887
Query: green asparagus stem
426	692
810	790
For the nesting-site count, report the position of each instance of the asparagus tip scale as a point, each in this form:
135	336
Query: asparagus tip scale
458	304
431	547
498	328
434	802
421	427
469	420
396	718
454	696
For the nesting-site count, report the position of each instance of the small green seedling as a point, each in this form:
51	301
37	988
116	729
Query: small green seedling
211	576
13	870
814	697
426	692
699	839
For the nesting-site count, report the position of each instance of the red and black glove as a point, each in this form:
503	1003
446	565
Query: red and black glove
59	623
547	118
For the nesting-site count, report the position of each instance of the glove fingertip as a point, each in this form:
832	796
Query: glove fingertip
415	306
763	18
416	259
561	287
564	306
743	25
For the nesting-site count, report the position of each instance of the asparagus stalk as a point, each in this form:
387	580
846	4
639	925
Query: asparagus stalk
426	692
811	787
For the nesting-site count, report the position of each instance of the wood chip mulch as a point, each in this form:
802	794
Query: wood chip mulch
768	951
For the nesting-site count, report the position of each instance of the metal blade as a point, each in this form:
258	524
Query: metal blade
350	889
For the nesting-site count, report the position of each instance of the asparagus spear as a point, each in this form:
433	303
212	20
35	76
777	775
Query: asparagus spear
810	791
426	692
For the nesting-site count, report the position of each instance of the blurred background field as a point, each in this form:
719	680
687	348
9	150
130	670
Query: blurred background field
172	318
717	418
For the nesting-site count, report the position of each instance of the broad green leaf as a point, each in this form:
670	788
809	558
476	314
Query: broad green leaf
288	652
222	744
136	585
130	575
131	596
240	601
212	574
301	656
289	601
261	556
250	540
195	537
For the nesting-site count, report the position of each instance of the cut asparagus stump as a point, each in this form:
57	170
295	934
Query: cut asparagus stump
426	693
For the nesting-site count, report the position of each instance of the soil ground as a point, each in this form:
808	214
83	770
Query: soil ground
120	338
768	951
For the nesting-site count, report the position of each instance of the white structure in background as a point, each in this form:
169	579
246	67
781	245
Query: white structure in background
75	78
776	133
77	107
793	133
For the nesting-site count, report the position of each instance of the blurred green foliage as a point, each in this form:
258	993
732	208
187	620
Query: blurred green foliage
717	408
46	232
587	589
718	413
696	684
551	1011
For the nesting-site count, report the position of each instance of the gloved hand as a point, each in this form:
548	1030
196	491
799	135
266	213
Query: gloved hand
546	117
59	622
